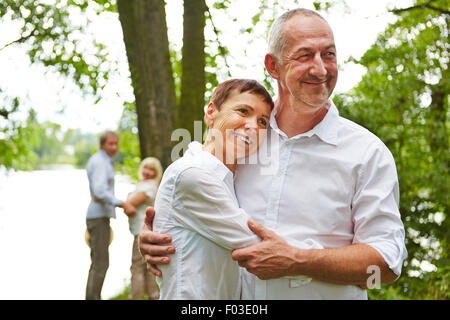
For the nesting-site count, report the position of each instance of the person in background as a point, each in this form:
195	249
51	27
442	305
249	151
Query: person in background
100	172
143	281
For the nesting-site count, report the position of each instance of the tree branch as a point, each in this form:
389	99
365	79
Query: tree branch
4	113
427	5
221	48
20	40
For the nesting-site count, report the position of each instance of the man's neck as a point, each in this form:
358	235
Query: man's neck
297	119
106	153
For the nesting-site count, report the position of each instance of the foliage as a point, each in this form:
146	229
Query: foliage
83	145
129	154
56	39
15	138
54	34
122	295
403	99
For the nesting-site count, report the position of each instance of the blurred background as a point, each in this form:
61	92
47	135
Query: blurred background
71	69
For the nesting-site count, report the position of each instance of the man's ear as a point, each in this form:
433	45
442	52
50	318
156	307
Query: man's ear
209	115
270	61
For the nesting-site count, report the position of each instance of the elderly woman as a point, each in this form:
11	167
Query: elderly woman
196	203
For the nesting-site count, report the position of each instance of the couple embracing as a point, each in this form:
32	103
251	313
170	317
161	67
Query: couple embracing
310	229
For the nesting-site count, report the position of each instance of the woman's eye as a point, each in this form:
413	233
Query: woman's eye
263	122
242	110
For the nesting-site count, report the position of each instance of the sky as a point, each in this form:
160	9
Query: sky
57	99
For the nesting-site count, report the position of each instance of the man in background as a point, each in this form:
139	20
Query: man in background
100	171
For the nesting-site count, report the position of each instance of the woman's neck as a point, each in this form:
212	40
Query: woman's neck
209	146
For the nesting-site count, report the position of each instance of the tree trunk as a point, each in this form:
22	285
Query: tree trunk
147	46
439	143
192	97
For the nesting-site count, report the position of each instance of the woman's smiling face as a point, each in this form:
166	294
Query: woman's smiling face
239	126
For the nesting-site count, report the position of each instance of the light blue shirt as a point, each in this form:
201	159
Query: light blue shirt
100	172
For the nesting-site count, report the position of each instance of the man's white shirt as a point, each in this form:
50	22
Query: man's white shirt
335	184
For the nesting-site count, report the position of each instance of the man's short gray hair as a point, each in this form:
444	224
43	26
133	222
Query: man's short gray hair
106	134
277	40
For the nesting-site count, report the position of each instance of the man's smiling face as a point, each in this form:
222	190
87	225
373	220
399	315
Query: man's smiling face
308	67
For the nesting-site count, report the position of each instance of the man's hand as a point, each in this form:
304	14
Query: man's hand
153	245
129	209
271	258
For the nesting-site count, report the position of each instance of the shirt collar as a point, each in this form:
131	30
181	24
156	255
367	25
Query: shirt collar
105	155
214	165
326	130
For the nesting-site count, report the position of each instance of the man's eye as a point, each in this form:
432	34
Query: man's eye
242	110
304	56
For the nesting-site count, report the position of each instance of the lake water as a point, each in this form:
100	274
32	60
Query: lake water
43	254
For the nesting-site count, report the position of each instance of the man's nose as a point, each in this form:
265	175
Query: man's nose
318	69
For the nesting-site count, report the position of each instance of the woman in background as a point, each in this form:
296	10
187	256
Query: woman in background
142	281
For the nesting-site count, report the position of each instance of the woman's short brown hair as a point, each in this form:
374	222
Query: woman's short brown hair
223	90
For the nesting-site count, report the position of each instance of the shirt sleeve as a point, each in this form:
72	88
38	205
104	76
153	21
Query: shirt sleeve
100	187
202	203
375	208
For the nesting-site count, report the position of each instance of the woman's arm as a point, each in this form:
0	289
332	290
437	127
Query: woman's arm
203	204
138	198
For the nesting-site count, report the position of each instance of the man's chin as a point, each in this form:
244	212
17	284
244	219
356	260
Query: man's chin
319	102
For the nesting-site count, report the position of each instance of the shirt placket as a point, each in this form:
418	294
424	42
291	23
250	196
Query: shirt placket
271	217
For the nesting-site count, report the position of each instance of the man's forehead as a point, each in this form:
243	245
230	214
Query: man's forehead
308	31
307	25
111	137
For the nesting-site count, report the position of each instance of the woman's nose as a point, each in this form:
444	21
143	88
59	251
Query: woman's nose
252	123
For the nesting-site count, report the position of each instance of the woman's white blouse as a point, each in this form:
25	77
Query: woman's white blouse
148	187
197	206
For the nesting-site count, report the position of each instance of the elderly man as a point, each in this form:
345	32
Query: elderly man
335	182
100	171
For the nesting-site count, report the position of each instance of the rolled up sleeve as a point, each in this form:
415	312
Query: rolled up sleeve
375	209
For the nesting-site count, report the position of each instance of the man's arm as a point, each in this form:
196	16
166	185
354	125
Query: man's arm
274	258
129	209
154	246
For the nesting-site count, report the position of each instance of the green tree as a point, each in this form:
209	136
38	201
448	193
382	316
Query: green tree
129	151
403	99
54	39
83	146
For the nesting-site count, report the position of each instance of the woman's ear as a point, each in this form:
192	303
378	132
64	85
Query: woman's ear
209	115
